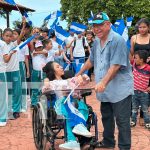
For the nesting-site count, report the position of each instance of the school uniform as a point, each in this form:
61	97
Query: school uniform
21	55
37	76
14	81
3	84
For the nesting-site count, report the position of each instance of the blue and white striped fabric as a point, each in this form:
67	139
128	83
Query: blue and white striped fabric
27	18
77	27
54	24
74	113
55	14
123	30
11	2
129	21
61	35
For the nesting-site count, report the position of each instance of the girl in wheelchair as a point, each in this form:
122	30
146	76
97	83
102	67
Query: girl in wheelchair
54	81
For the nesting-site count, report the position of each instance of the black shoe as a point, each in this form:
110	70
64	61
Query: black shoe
16	115
31	106
102	145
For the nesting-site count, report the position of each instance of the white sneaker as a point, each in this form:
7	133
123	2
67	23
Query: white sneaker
23	110
80	129
2	124
71	145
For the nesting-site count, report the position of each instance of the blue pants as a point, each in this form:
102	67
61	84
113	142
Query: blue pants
121	111
140	99
14	91
36	79
23	85
3	98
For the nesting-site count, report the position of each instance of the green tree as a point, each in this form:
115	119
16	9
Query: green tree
2	13
79	10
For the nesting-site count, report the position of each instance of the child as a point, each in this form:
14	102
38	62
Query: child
23	68
3	85
39	60
141	73
48	47
12	72
54	73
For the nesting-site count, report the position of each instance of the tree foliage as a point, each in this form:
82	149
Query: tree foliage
79	10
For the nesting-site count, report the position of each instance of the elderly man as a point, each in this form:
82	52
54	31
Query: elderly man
114	82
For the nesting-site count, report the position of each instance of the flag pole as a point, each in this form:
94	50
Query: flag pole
18	9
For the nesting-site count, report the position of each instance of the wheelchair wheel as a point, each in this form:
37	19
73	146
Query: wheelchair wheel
39	128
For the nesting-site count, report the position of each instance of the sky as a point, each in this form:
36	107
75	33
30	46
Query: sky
43	8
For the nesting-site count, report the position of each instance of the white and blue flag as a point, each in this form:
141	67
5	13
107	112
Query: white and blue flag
74	113
123	30
61	35
77	27
27	18
91	18
54	24
19	47
55	14
117	22
129	21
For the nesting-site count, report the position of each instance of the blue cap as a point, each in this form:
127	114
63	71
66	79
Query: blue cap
100	18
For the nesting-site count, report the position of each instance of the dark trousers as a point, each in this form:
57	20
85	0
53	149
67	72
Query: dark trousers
119	112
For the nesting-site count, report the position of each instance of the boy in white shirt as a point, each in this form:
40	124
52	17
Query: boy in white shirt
23	68
77	51
12	72
3	84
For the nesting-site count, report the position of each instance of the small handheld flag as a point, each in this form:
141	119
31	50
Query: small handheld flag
27	18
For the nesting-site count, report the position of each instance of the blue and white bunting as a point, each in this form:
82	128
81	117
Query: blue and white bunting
27	18
77	27
61	35
55	14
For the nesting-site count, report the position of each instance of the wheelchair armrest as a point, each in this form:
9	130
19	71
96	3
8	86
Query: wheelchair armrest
86	93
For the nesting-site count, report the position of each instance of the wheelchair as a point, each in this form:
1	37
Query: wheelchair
49	127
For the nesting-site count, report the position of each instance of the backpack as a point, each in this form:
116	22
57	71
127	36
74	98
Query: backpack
83	42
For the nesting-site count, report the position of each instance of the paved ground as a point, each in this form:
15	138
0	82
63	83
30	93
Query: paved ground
17	135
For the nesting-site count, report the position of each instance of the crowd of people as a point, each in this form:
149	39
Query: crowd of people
122	78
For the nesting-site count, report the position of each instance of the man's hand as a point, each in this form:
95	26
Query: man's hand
100	87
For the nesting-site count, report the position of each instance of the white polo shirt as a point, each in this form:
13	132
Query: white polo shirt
13	64
3	51
79	49
38	62
23	52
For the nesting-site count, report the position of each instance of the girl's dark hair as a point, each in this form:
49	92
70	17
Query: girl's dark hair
7	30
143	20
45	42
49	70
143	54
17	30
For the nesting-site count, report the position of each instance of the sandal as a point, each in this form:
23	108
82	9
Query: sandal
147	125
132	124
